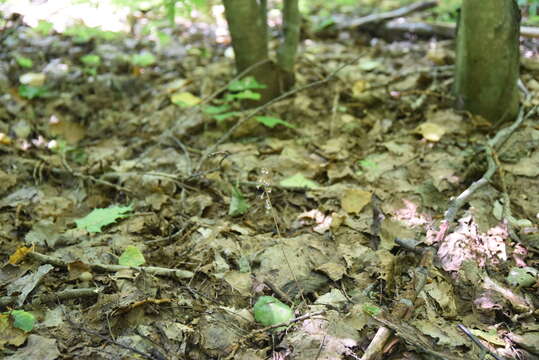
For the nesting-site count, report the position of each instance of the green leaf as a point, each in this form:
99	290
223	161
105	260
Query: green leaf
299	181
83	33
270	311
271	122
522	277
24	62
94	221
325	23
23	320
247	83
222	117
238	204
246	94
30	92
143	59
213	110
164	38
371	309
131	257
91	60
43	27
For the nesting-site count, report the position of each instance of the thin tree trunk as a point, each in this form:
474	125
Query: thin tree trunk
487	64
248	29
286	54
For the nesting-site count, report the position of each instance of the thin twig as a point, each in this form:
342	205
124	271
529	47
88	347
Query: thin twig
172	273
472	337
494	144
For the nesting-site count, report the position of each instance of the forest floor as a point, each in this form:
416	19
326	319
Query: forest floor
337	210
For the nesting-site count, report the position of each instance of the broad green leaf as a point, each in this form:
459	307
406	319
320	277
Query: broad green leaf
94	221
271	122
213	110
131	257
43	27
143	59
23	320
31	92
367	164
222	117
83	33
248	83
325	23
91	60
371	309
243	95
185	99
522	277
24	62
299	181
270	311
238	204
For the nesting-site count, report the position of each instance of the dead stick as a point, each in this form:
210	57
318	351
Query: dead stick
166	272
393	14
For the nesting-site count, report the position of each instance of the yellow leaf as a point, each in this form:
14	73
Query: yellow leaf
354	200
185	99
18	255
431	131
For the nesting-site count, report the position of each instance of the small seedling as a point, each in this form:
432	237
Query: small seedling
270	311
143	59
238	204
238	90
24	62
131	256
43	28
31	92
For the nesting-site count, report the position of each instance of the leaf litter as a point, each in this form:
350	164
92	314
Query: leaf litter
330	213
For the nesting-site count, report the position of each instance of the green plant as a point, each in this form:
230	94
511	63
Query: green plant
24	62
31	92
238	204
74	154
43	27
238	90
269	311
143	59
21	319
91	60
94	221
131	256
83	33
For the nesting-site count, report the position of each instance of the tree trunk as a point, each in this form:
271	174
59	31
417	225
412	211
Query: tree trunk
249	32
488	58
286	55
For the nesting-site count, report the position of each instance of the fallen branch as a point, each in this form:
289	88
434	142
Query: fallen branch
494	144
159	271
60	295
443	30
385	16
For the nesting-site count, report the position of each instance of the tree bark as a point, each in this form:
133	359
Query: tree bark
247	23
286	54
248	29
487	64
